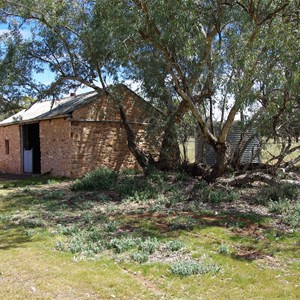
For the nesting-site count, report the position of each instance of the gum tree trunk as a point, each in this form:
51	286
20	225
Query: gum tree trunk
169	156
223	157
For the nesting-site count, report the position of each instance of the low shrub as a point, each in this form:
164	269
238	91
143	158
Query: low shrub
190	267
149	245
136	189
123	244
81	242
99	179
111	226
223	249
175	246
140	257
288	210
207	194
281	206
277	193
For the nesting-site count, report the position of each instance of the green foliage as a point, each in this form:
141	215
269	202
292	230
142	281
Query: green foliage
129	186
128	172
215	195
52	181
280	206
289	211
5	218
175	245
278	192
149	245
282	199
223	249
216	55
124	244
67	230
82	242
190	267
87	218
99	179
140	257
102	197
132	188
111	226
32	223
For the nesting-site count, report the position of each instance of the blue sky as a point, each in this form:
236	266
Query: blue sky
47	76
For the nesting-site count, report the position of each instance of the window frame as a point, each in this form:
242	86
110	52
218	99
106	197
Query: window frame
7	148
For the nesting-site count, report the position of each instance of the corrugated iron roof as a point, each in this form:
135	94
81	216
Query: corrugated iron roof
43	110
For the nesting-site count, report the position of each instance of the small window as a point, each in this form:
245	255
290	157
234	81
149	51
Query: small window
6	146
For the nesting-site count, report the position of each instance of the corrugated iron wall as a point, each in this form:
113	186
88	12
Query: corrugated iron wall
204	153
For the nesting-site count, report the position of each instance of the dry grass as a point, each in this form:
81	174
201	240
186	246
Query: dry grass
262	260
190	149
273	149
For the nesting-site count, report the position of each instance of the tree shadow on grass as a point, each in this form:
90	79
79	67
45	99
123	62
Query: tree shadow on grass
57	207
13	237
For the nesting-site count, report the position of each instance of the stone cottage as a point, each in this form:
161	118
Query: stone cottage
74	135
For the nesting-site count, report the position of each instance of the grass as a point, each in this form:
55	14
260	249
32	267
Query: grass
190	150
273	149
160	237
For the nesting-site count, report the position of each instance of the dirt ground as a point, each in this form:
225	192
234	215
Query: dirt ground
14	177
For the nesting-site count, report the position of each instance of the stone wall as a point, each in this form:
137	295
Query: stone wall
93	137
137	110
99	138
100	144
10	162
55	147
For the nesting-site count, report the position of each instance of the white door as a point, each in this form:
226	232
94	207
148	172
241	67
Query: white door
27	159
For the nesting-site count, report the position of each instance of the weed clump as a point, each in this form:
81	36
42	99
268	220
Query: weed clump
223	249
149	245
120	245
278	192
175	245
99	179
191	267
282	199
288	210
84	243
140	257
207	194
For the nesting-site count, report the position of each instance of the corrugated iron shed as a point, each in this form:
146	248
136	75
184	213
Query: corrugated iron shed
205	153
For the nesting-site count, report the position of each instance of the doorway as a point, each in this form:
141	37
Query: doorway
31	148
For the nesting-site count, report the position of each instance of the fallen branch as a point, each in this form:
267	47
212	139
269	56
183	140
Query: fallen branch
252	177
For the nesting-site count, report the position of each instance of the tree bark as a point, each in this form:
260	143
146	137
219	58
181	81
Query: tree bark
145	160
169	157
223	156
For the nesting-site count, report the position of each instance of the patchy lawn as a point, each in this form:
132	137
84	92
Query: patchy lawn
161	237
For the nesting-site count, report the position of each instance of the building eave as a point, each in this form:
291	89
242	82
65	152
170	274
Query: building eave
37	120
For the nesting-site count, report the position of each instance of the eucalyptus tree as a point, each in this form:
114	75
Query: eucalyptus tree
66	38
278	88
212	59
205	57
17	86
60	40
